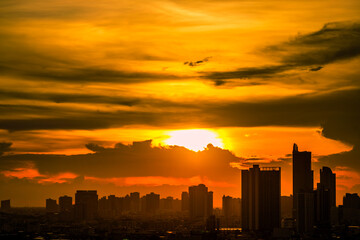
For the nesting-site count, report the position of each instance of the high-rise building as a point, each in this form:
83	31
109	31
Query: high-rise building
349	213
135	202
328	181
227	207
5	205
305	212
231	208
152	202
184	201
86	205
65	204
351	200
303	190
260	191
200	202
322	206
302	173
51	205
167	203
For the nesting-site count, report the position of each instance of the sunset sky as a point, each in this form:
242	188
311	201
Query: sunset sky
80	81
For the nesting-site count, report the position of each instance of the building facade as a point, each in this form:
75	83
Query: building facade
200	202
261	191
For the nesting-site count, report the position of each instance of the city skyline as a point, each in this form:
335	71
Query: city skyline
303	182
211	151
261	210
125	96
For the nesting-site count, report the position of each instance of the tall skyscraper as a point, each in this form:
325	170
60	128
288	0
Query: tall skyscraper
86	205
322	206
305	212
302	173
328	181
200	202
303	194
184	201
260	191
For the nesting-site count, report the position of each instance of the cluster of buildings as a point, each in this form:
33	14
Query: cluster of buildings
311	208
261	208
197	203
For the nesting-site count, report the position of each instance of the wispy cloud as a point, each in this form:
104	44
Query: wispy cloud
334	42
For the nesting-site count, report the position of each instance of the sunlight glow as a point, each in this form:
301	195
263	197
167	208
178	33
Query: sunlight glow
194	139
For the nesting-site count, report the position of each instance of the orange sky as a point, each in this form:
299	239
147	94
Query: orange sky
252	77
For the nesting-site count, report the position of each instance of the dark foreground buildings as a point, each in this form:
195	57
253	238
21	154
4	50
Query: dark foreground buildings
260	192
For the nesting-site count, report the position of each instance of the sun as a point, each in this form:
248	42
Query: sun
193	139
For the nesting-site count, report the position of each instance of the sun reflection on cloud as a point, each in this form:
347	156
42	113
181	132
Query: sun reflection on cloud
194	139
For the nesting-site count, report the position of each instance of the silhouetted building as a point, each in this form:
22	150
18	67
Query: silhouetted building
260	195
200	202
167	203
66	208
350	211
305	212
184	201
351	201
51	206
110	207
134	202
5	205
227	206
303	194
86	205
302	173
231	209
328	181
65	204
322	206
151	203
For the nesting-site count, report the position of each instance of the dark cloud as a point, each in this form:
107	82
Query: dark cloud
137	159
69	97
334	42
316	69
329	109
94	147
5	147
246	73
197	63
86	74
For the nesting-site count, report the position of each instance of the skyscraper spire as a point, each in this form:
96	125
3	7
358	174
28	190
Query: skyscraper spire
295	148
